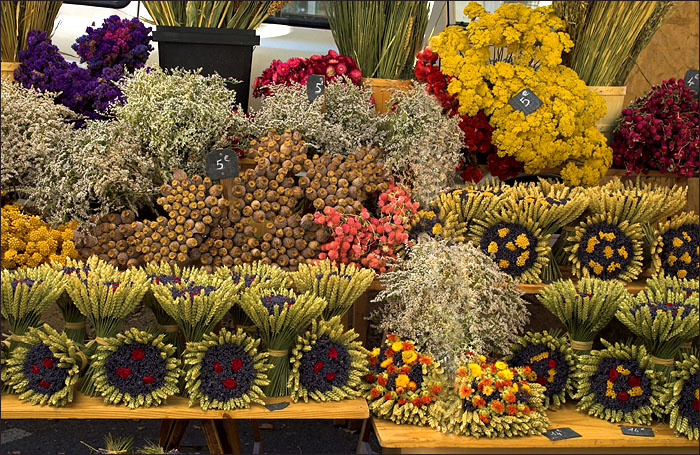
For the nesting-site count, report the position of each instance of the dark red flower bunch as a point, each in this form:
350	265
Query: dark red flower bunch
297	70
477	130
659	130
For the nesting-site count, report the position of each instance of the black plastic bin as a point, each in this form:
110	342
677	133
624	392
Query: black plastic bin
228	52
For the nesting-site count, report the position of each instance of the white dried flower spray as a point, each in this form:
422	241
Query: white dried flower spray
177	115
33	129
348	121
423	146
452	298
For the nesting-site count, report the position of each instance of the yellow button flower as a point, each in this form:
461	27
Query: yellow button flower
402	380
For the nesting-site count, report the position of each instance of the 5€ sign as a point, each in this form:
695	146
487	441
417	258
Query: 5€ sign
525	101
314	86
221	164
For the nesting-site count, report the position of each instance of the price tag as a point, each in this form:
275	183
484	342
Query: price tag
691	81
525	101
557	434
637	431
221	164
277	406
314	86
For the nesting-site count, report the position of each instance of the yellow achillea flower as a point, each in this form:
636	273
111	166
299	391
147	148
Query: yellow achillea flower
493	247
522	241
503	232
503	264
397	346
475	370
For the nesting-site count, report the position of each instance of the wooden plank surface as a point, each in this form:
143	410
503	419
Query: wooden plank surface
84	407
595	434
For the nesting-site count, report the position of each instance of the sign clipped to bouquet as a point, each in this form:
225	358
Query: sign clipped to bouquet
315	86
221	164
691	81
525	101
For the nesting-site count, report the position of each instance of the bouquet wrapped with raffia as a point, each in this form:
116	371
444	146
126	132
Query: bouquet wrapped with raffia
327	363
280	314
584	311
550	361
339	285
494	400
196	307
166	273
26	293
664	319
252	275
75	321
619	384
105	299
137	368
403	385
681	398
44	368
677	247
226	371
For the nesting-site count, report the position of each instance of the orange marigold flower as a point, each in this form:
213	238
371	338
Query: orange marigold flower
373	361
387	396
370	378
426	360
402	401
526	410
427	399
417	402
484	419
461	371
375	393
400	390
405	369
512	410
391	369
435	389
510	398
497	406
389	353
381	380
391	337
526	370
493	368
407	346
478	401
412	386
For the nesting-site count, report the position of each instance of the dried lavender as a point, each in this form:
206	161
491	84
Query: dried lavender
452	298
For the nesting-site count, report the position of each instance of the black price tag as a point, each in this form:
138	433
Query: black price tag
221	164
557	434
691	81
277	406
314	86
637	431
525	101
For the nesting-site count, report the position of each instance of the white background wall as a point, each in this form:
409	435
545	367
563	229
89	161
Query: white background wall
276	41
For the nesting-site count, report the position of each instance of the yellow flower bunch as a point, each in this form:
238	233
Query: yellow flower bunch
497	56
27	241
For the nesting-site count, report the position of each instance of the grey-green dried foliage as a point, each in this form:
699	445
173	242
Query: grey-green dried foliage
100	170
33	131
422	146
176	115
452	298
347	121
113	395
65	350
193	364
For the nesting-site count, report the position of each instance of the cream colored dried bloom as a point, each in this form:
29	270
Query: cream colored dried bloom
452	298
33	129
423	146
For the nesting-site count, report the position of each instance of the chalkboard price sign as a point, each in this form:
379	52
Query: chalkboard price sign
277	406
221	164
691	81
525	101
637	431
557	434
314	86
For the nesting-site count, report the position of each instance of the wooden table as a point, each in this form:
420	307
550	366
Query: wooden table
219	427
597	436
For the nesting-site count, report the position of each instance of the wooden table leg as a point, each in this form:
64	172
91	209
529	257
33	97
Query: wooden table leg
257	437
175	434
363	447
230	427
166	428
212	436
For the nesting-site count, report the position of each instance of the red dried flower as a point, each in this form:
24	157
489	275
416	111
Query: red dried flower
236	364
123	372
137	354
229	383
147	380
47	362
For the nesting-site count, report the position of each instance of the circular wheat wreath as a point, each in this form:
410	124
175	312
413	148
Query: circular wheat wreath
551	362
619	384
602	248
226	371
327	363
136	368
515	243
683	397
44	368
677	247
